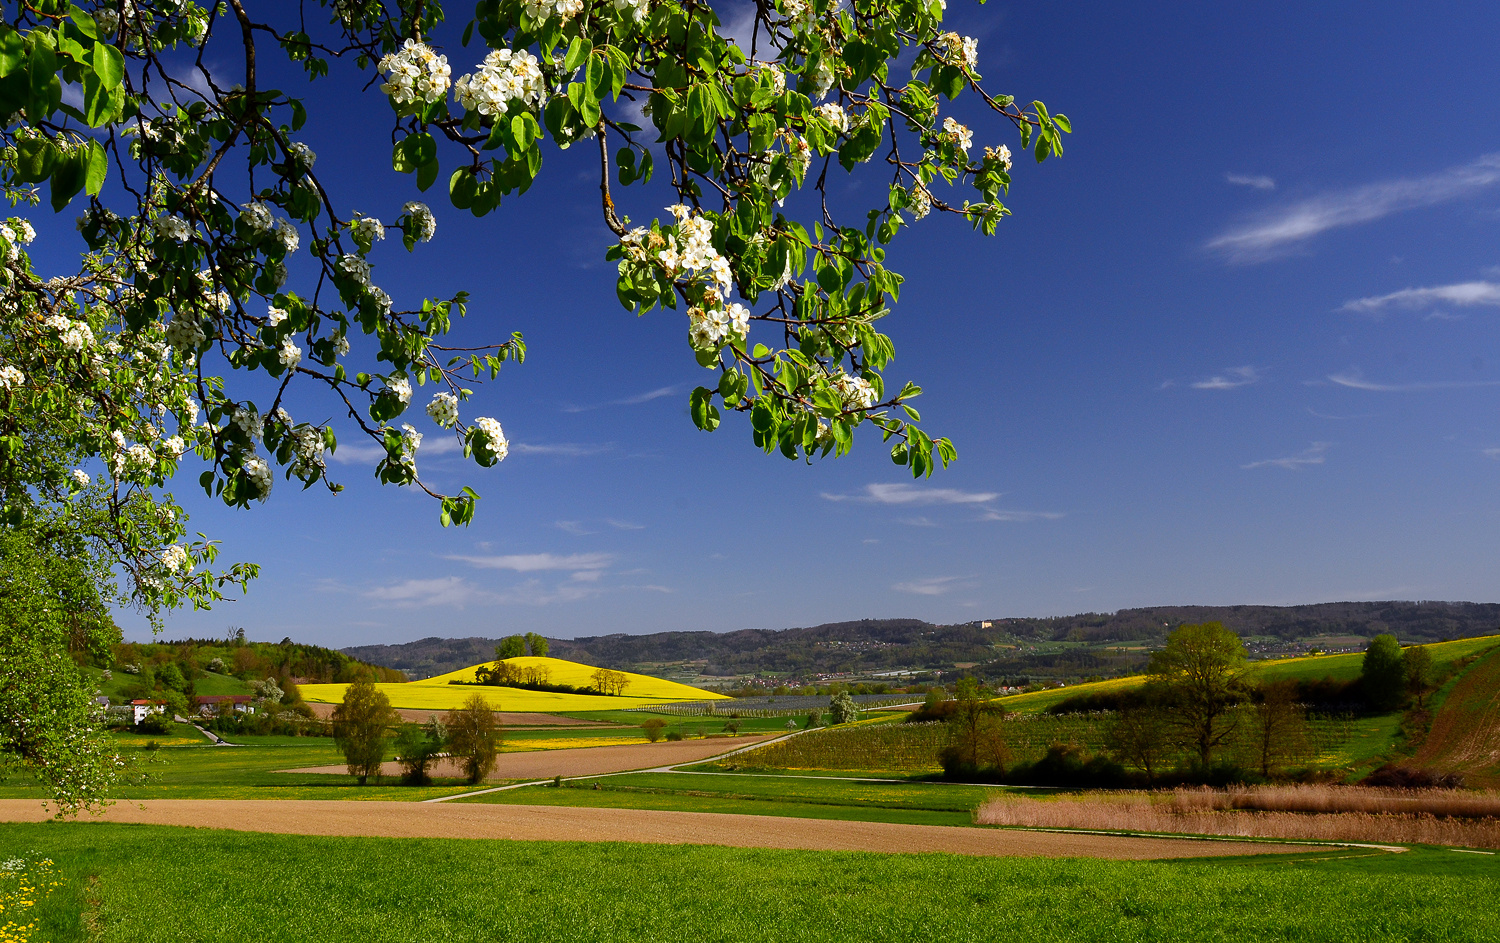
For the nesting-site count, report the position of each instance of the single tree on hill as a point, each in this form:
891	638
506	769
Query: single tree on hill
1198	675
359	728
474	737
512	647
1418	663
1383	674
537	645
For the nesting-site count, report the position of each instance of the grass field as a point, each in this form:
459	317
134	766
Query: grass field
210	885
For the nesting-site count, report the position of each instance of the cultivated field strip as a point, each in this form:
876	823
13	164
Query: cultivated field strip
547	823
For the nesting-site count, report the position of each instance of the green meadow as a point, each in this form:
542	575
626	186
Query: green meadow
258	888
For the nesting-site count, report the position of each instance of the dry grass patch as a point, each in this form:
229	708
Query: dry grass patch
1314	813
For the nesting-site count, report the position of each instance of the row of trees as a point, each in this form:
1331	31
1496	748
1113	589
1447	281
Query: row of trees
517	646
469	734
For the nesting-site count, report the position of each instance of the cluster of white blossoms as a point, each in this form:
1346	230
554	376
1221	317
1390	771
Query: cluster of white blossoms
17	231
288	234
249	422
443	409
340	344
174	446
75	335
793	9
258	473
399	387
174	559
1000	155
411	440
274	315
11	378
302	155
544	9
494	437
504	76
257	216
289	354
958	134
81	478
693	249
822	80
960	50
423	223
771	71
854	392
633	9
307	451
130	461
185	332
367	229
172	227
833	113
711	328
416	73
920	200
356	268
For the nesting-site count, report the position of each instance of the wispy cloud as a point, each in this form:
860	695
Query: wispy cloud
451	591
1312	455
1490	453
1463	294
580	529
1278	231
914	495
1000	514
1354	381
1232	379
562	449
538	562
368	453
931	586
1258	181
646	397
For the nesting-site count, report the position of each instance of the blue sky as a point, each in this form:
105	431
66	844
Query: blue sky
1237	346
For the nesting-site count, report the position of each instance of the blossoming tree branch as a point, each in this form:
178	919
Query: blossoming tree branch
192	195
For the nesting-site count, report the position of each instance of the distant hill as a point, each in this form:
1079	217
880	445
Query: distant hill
1062	647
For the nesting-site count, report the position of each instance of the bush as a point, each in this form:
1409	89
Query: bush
155	723
674	735
653	728
1406	777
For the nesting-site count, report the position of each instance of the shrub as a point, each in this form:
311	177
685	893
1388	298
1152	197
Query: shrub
653	728
1406	777
674	735
155	723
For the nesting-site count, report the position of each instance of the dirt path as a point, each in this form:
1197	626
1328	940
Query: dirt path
509	718
582	761
550	823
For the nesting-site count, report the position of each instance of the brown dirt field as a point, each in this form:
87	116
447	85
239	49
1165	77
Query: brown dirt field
509	718
584	761
1465	734
548	823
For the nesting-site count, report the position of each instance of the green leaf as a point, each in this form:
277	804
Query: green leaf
109	64
12	50
705	414
35	158
578	52
463	188
427	174
97	167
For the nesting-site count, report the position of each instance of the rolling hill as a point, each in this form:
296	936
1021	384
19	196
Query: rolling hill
440	694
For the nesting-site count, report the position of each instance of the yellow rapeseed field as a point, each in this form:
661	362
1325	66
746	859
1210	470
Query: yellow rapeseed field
436	694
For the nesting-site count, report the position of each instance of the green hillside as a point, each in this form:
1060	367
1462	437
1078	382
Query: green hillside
1465	733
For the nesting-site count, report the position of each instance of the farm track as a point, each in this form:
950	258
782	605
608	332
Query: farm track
551	823
1465	734
582	761
508	718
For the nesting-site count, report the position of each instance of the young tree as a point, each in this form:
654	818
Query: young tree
537	645
474	737
653	728
1197	674
1383	674
513	646
359	725
1417	661
1142	736
189	317
417	746
1279	730
842	709
975	740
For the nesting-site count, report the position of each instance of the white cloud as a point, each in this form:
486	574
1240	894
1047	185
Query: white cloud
1000	514
645	397
1354	381
563	449
931	586
365	452
539	562
623	525
453	591
1490	453
1312	455
1232	378
1258	181
575	528
1278	231
914	495
1463	294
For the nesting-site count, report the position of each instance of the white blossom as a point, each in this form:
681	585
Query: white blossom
302	155
185	332
423	222
399	387
18	231
171	227
1000	155
307	451
739	319
833	113
257	216
415	73
174	559
920	200
443	409
959	134
505	75
249	422
80	477
494	437
544	9
174	446
340	344
288	234
633	9
75	335
855	392
11	377
289	354
356	268
370	230
411	439
259	475
275	315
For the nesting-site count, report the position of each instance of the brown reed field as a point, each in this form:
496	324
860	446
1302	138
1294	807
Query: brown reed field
1313	813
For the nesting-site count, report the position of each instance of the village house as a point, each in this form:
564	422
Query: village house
212	705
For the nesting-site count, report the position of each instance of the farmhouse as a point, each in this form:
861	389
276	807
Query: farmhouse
135	712
212	705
